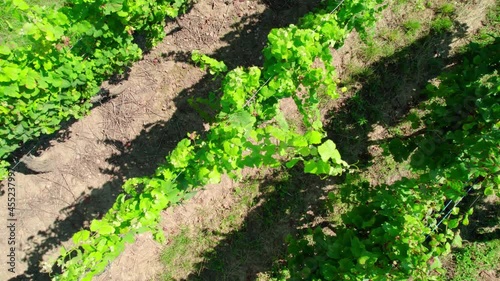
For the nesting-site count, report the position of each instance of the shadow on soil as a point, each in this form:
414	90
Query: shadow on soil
484	222
141	156
287	200
387	90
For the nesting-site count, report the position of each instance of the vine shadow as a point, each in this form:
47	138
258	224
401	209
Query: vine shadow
284	204
390	88
142	155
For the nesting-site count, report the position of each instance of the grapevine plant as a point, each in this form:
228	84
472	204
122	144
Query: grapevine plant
400	231
71	51
249	131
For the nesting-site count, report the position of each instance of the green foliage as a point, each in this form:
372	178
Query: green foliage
249	131
398	231
214	67
447	9
383	236
70	51
412	26
12	19
461	138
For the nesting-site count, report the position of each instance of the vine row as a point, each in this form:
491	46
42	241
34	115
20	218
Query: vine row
249	131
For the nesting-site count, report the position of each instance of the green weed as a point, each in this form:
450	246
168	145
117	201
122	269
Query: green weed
371	51
442	24
392	35
447	9
412	26
474	258
190	247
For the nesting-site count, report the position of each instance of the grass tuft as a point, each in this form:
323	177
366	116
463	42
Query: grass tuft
442	25
447	9
412	26
476	259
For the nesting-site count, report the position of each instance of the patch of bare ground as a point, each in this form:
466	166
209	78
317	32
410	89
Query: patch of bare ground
489	275
242	240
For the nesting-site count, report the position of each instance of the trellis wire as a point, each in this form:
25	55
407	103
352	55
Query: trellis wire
451	210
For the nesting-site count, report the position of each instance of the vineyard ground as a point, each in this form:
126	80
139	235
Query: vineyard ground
228	231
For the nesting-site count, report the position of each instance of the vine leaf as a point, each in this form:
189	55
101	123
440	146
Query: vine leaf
328	150
81	236
101	227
